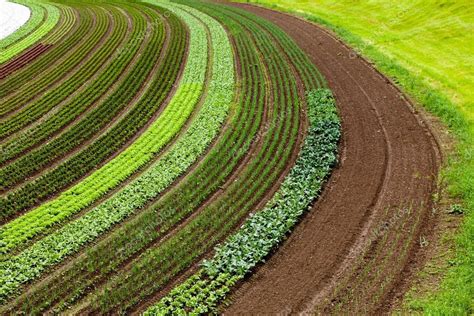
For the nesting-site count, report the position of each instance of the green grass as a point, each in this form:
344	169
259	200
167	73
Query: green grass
427	48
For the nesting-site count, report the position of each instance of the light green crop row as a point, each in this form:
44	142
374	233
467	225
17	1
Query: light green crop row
136	155
35	36
202	293
36	18
54	248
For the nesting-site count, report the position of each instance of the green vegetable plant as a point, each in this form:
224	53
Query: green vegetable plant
262	232
53	248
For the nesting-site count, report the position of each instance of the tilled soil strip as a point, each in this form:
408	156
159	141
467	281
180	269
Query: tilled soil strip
388	158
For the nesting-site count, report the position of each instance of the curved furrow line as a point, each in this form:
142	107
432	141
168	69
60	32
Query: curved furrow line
306	76
81	103
199	134
48	127
169	45
357	86
63	27
96	185
101	260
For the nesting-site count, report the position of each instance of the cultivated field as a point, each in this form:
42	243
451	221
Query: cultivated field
155	154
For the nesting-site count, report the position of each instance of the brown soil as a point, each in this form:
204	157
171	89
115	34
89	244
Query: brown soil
388	158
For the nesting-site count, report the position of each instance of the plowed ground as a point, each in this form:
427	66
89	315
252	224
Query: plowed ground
355	247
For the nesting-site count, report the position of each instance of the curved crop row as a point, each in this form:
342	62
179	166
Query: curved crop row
166	234
18	46
202	293
96	86
135	156
310	76
64	25
34	110
155	267
22	60
128	239
88	159
27	265
61	59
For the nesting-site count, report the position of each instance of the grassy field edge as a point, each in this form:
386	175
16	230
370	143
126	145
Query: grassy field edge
456	292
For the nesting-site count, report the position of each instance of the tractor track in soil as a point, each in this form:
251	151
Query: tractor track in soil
385	143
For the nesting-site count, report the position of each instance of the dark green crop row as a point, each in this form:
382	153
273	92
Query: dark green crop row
153	261
29	164
103	259
310	76
202	129
109	29
156	266
203	292
88	159
79	278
